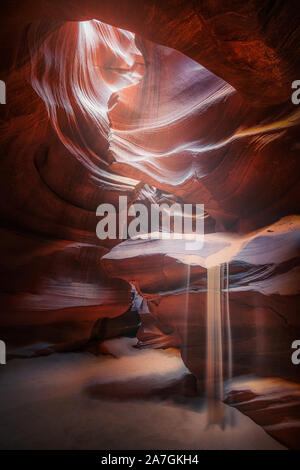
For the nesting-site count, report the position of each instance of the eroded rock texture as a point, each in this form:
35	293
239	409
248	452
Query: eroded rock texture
263	294
272	403
188	102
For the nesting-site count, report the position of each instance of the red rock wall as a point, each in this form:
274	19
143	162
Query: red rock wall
207	118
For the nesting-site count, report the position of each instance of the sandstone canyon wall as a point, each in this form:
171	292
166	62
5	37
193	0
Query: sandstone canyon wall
183	102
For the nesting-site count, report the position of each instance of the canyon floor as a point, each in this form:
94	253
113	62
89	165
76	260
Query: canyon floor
123	400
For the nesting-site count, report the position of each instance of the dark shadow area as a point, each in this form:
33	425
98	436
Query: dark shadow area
182	391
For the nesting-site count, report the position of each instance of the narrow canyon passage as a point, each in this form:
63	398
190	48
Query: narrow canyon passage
114	338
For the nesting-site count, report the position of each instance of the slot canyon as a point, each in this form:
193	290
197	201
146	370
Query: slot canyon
162	102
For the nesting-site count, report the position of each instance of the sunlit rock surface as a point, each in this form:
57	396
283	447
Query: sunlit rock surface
271	403
237	41
190	104
263	294
201	141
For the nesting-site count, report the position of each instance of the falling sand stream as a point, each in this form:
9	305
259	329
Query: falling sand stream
218	343
218	333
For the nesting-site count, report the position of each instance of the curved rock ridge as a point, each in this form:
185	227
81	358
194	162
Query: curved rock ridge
186	102
272	403
183	129
276	243
132	110
263	294
192	101
237	41
53	291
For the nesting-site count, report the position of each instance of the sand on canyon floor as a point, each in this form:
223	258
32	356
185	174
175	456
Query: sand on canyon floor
118	401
